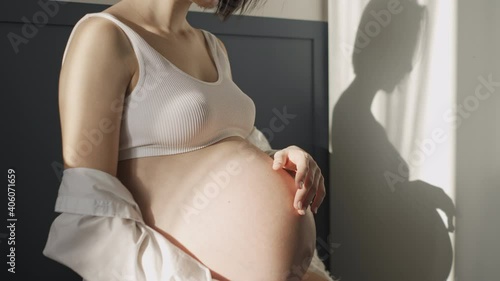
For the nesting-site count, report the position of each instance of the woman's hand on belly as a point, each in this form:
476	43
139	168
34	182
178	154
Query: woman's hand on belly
308	178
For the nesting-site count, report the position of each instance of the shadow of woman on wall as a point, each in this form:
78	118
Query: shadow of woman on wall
388	227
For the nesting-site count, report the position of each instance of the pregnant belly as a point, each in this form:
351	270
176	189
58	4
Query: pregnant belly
228	208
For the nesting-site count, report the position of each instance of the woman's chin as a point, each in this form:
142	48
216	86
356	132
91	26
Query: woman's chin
206	4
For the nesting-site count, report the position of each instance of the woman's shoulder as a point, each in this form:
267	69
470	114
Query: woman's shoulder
108	20
92	26
96	34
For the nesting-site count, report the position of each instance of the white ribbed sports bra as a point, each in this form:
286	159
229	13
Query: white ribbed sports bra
171	112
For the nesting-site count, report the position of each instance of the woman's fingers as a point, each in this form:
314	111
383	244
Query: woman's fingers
299	200
279	159
282	161
308	178
302	176
320	195
305	195
305	181
296	159
312	190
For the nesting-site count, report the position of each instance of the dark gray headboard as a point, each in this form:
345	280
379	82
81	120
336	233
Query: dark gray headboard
281	64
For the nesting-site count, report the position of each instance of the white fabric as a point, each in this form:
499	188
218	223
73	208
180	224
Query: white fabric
100	233
317	266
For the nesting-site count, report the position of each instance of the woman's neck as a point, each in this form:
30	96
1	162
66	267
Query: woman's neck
167	16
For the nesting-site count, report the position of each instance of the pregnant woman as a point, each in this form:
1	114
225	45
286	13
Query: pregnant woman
176	131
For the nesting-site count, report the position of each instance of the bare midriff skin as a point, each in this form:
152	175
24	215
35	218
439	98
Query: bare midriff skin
222	204
227	207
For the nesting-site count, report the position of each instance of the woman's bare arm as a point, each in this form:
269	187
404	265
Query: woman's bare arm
92	85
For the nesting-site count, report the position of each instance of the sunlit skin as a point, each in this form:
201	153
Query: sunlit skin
259	225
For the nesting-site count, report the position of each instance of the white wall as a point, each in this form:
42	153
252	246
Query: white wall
478	142
315	10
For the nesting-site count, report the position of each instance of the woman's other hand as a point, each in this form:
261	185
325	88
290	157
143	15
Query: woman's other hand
308	178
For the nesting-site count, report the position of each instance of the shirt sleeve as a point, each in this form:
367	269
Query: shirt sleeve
100	234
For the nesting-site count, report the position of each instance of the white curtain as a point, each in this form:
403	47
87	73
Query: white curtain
418	114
